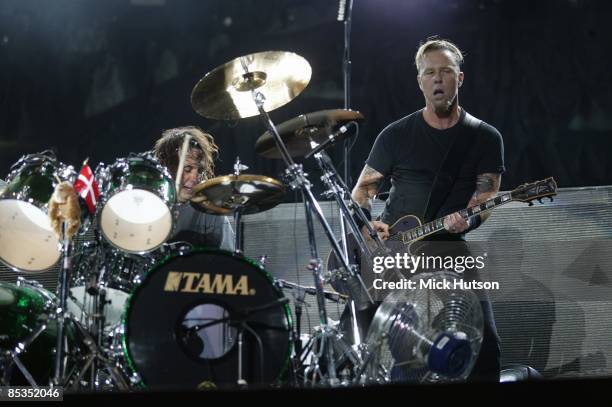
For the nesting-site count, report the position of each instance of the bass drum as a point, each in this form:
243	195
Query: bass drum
24	308
182	324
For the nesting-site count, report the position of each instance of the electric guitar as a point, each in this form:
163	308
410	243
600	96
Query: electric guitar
409	229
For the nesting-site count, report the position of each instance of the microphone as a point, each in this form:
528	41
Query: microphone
330	140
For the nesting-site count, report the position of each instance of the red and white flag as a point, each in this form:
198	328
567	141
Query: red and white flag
87	188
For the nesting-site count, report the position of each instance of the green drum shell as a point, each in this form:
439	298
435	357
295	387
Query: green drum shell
138	173
33	183
22	310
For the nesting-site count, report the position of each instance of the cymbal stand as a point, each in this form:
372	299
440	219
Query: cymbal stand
339	191
238	168
299	180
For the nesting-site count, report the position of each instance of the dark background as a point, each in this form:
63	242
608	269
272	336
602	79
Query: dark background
100	79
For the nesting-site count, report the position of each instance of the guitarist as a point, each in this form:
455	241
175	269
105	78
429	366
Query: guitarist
439	159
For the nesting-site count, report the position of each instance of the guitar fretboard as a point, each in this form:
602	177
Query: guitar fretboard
438	224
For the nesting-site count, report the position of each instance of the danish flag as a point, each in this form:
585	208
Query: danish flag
87	188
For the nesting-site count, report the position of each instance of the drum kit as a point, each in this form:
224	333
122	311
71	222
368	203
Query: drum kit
133	310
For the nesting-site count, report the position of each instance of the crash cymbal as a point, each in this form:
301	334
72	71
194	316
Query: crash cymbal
246	192
297	133
225	92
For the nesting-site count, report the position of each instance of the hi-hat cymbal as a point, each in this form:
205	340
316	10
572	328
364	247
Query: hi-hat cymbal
248	193
225	92
297	133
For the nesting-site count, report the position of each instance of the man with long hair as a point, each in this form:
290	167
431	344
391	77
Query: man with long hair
194	226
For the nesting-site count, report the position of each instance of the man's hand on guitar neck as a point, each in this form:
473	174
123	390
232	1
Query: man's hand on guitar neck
455	223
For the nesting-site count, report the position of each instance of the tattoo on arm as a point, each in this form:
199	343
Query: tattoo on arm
367	186
487	186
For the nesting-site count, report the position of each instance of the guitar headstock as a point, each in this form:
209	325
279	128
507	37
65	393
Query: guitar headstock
546	188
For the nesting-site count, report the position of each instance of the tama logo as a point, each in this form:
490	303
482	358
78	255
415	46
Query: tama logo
208	283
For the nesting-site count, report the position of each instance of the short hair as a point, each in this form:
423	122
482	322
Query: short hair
434	44
170	143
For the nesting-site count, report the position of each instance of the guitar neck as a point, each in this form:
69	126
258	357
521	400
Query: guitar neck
438	224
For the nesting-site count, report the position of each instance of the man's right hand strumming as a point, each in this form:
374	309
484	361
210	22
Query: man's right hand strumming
366	188
380	227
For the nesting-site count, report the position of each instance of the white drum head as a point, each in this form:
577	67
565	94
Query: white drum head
136	220
80	305
27	241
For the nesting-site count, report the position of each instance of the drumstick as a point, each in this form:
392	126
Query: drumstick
182	156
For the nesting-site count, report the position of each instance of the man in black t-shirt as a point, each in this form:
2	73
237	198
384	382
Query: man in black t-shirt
413	150
194	226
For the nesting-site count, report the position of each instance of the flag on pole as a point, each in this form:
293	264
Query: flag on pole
87	188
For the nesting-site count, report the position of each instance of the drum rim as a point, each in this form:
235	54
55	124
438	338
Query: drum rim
193	251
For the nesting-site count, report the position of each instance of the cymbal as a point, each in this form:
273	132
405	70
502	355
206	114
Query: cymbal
249	193
296	133
224	93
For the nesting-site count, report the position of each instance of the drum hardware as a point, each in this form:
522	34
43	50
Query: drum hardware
329	295
29	308
262	260
240	320
317	125
93	362
250	74
299	294
100	276
94	356
61	310
321	127
11	356
238	168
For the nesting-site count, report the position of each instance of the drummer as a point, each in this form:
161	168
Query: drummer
194	226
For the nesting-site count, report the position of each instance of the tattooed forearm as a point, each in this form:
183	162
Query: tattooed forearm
487	186
367	186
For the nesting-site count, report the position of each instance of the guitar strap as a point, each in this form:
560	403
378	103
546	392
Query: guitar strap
450	167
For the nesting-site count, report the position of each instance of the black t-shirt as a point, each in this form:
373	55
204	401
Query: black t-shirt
203	229
410	152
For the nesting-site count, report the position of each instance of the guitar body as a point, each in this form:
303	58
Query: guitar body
343	286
